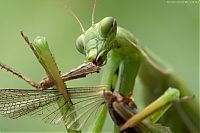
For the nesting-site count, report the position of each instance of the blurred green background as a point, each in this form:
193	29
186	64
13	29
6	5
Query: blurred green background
168	29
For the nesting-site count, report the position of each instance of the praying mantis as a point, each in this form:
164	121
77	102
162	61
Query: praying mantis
100	61
105	43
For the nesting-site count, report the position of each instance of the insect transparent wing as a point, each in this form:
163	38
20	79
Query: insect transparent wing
51	113
87	103
44	105
15	103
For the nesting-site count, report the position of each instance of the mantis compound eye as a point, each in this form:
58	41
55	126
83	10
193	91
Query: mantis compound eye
80	44
108	27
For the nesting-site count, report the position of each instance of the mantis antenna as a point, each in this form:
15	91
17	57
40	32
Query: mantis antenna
93	11
73	14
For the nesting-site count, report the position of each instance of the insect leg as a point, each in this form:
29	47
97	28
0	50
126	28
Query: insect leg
20	75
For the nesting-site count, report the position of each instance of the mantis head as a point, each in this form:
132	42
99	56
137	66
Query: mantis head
97	41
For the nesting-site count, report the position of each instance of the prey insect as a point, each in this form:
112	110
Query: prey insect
48	82
15	103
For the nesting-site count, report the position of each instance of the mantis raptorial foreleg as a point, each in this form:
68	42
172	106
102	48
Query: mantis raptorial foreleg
128	69
110	69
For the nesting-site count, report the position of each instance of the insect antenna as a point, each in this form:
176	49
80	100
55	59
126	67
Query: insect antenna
72	13
93	11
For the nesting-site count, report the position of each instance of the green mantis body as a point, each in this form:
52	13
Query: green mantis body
106	43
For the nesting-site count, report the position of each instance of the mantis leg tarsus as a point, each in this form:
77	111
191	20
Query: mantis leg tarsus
184	99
